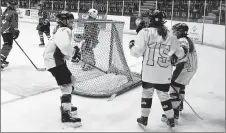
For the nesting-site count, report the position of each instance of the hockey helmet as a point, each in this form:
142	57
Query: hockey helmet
92	13
63	17
158	18
180	30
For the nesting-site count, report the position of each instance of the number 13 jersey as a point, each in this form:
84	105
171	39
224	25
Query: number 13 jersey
156	54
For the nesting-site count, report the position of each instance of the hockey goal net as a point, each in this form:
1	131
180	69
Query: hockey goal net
103	69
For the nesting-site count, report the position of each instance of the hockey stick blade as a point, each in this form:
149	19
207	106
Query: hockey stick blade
112	97
122	91
196	114
193	110
41	69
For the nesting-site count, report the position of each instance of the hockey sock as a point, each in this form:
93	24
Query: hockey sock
166	103
48	35
175	98
146	101
41	37
66	102
182	91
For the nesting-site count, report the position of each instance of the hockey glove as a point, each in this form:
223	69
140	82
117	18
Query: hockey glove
131	44
16	34
77	55
174	59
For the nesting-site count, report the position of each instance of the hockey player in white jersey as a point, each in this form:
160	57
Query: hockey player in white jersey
57	51
157	46
185	68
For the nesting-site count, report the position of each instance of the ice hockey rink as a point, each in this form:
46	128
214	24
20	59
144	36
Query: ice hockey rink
40	112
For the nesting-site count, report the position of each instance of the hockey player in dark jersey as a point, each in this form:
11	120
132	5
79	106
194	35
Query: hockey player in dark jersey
43	25
91	32
9	30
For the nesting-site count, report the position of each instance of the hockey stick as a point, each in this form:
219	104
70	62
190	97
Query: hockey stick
39	69
197	115
93	66
122	91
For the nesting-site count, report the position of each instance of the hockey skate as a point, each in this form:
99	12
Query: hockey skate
143	122
4	63
73	110
169	122
42	45
67	118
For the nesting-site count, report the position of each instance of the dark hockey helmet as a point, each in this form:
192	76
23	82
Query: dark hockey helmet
180	30
158	18
63	17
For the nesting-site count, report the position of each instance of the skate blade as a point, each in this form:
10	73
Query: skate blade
143	127
73	125
165	120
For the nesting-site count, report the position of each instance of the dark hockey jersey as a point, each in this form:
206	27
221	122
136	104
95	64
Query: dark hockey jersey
9	20
42	16
91	31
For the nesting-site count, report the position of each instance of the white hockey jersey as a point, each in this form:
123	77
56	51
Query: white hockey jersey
59	48
156	54
183	74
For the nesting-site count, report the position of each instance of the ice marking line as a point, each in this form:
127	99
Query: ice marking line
23	97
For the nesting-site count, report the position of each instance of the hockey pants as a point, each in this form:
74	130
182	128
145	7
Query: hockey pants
8	44
162	92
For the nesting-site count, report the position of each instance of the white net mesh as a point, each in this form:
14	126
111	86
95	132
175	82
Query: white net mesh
103	69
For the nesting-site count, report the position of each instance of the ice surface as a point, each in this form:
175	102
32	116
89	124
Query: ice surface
206	94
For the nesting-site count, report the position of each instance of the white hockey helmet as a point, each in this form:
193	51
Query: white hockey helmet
93	13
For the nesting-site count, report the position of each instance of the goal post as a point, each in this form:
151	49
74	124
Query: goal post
103	70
